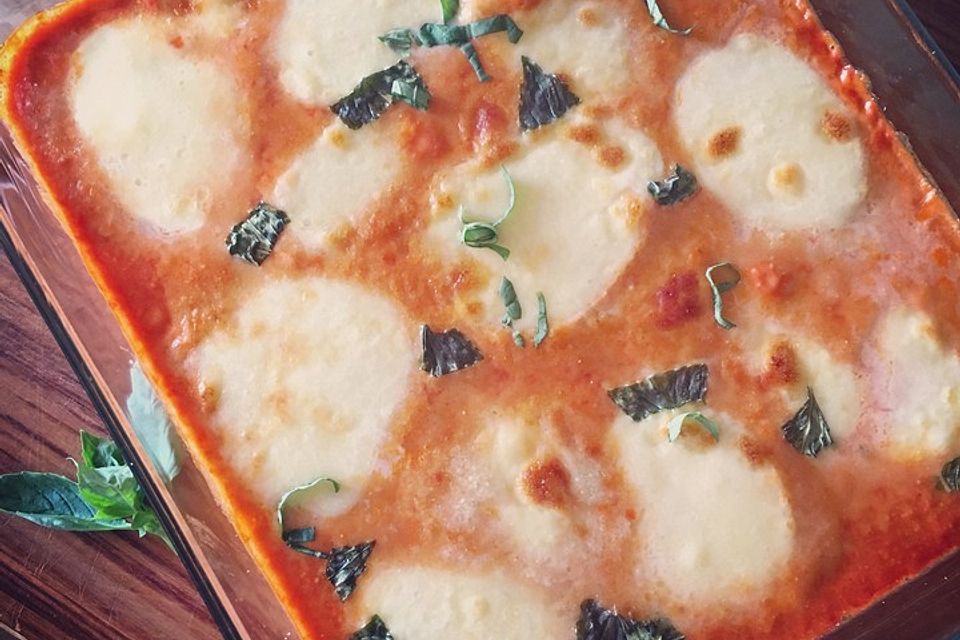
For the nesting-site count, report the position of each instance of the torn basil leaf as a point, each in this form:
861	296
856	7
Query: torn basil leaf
722	277
675	188
598	623
378	91
543	97
432	34
808	430
345	565
514	311
254	238
375	629
450	9
485	235
950	476
447	352
675	427
299	536
53	501
663	391
659	20
543	324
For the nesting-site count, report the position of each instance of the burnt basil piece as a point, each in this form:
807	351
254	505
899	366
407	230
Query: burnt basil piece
950	476
345	565
662	391
447	352
254	238
378	91
375	629
677	187
808	430
543	97
598	623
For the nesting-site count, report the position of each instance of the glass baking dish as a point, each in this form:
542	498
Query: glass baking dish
915	84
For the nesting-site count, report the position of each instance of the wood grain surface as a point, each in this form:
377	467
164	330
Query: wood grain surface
115	586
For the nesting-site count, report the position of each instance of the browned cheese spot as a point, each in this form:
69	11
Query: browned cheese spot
724	143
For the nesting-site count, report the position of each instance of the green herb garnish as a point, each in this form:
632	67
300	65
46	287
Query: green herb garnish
722	277
450	9
676	187
375	629
431	34
514	311
153	425
254	238
663	391
543	97
808	430
378	91
675	427
447	352
485	235
543	324
106	496
950	476
599	623
659	20
296	537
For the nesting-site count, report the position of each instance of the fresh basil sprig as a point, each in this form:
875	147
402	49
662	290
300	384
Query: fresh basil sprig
485	235
106	496
722	277
659	20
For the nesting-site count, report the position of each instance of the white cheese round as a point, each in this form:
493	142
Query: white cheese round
754	117
326	47
305	379
168	130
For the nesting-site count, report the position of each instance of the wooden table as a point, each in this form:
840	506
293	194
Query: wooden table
106	586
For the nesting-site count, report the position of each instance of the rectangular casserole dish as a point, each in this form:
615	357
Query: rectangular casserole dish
914	83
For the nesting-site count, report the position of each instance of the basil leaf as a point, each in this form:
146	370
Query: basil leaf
97	452
53	501
450	9
485	235
543	323
677	187
401	41
663	391
378	91
153	426
299	535
447	352
950	476
598	623
113	492
722	277
254	238
657	16
808	430
146	522
543	97
375	629
509	297
676	425
345	565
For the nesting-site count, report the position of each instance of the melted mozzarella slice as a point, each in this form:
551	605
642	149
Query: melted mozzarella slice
167	129
332	182
919	389
714	527
305	381
574	228
770	138
587	42
422	603
324	48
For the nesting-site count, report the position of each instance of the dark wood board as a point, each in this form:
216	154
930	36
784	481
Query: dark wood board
114	586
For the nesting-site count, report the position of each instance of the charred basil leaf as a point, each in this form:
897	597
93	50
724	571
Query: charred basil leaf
378	91
598	623
950	476
675	427
657	16
254	238
676	187
345	565
808	430
543	97
375	629
457	35
722	277
662	391
543	323
296	538
485	235
447	352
